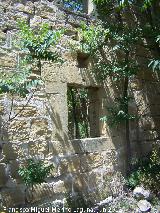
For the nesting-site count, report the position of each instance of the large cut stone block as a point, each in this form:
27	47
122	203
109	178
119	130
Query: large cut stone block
45	190
38	148
90	161
13	197
61	148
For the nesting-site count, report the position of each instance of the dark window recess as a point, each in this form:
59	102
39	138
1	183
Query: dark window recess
83	59
83	112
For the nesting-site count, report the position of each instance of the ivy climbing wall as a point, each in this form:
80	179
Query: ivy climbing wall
37	126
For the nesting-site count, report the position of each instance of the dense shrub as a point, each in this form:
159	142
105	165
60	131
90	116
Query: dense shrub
147	172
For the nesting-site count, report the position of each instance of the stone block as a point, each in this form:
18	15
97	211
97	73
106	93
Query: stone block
59	187
110	157
39	129
45	10
18	125
28	8
3	175
26	111
2	110
69	164
8	151
97	144
80	182
14	166
61	148
21	149
39	192
38	147
7	61
20	15
79	146
95	179
90	161
44	190
13	197
15	135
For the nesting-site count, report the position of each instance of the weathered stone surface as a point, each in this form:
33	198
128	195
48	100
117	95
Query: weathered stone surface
38	147
80	182
79	146
61	148
91	161
35	21
13	197
144	205
3	175
15	135
8	151
95	179
59	187
69	164
45	190
18	125
45	10
28	8
1	110
39	128
14	166
26	111
7	61
21	149
141	193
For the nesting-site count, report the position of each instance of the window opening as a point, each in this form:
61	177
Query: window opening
83	116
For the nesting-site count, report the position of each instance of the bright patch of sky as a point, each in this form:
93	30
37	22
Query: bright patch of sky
75	5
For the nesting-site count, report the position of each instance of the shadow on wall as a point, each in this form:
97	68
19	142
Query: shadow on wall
83	164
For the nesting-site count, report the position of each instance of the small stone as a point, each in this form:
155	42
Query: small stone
106	201
144	206
141	193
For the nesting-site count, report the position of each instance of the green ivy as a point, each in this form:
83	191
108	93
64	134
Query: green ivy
117	114
38	41
17	83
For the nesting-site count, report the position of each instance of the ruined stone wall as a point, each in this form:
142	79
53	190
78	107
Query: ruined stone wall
40	131
41	128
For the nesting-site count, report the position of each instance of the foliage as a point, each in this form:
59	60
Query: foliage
147	172
17	83
90	38
78	123
155	63
37	42
118	114
34	172
116	56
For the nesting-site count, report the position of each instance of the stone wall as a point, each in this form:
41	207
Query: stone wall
41	128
